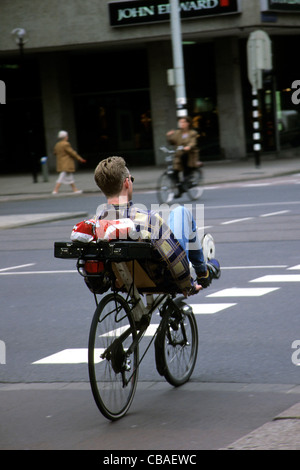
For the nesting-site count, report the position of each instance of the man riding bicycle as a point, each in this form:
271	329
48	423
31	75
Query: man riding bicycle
187	152
172	242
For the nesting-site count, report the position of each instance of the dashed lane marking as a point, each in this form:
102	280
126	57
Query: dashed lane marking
17	267
228	222
271	214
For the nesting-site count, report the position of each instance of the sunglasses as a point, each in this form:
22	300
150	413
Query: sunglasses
131	178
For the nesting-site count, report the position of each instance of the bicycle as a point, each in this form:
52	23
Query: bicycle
123	315
168	187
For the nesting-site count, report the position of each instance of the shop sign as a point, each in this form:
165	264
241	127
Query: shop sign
125	13
281	5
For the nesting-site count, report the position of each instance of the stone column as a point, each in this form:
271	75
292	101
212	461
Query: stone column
163	105
230	99
58	107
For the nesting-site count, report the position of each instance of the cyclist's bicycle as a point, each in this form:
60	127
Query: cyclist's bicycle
122	317
168	188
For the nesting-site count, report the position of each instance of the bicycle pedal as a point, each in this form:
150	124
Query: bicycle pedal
143	323
174	325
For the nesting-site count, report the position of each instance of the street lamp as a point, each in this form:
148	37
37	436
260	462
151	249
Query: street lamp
178	63
19	35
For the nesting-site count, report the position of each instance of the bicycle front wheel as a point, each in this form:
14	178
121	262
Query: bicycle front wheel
195	185
166	189
113	375
176	346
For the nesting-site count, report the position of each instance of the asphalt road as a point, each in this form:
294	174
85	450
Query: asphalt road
247	322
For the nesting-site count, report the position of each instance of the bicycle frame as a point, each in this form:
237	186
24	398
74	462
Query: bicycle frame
141	313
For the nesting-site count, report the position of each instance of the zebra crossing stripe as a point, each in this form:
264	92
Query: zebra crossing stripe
209	309
244	292
70	356
278	278
80	355
295	268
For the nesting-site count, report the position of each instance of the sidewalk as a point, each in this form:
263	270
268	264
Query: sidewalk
282	433
16	187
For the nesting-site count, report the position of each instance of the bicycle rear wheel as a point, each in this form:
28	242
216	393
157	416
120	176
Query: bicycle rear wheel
166	188
176	345
113	378
195	185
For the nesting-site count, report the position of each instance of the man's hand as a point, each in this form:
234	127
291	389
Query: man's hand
196	288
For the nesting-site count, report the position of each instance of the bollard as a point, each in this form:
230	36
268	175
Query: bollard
45	173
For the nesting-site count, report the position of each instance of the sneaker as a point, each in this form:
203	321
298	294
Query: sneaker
79	191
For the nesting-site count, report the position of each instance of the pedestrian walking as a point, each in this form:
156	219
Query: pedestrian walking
65	162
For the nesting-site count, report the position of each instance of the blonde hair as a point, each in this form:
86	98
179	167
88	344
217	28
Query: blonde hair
110	175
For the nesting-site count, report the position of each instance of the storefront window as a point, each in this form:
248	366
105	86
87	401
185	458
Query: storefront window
112	106
202	96
22	141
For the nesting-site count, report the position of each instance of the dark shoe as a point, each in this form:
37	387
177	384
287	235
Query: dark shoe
213	272
204	279
214	268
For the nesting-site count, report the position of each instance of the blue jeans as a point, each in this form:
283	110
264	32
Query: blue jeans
183	225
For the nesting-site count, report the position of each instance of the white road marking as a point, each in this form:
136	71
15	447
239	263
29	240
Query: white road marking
118	331
39	272
295	267
70	356
209	309
278	278
283	266
237	220
271	214
72	271
80	355
243	292
254	185
17	267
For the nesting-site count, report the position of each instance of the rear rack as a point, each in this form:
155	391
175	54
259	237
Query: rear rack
116	251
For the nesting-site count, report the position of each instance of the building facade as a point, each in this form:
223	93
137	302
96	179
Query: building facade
101	70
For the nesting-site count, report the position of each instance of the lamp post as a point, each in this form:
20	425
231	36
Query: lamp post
178	64
19	35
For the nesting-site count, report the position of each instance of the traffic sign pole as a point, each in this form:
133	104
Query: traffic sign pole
259	54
